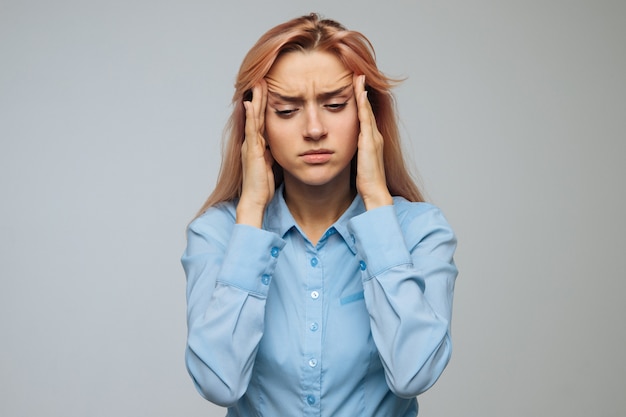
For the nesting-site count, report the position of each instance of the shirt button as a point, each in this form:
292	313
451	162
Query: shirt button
315	295
312	362
314	326
314	262
310	399
275	252
265	279
362	265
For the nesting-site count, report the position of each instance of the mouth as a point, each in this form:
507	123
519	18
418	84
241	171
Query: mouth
317	156
317	152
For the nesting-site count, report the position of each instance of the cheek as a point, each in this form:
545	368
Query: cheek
274	137
270	130
279	132
352	121
350	128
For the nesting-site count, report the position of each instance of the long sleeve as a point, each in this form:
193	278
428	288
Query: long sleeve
229	270
408	273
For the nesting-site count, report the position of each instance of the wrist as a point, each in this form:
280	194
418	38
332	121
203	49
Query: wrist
250	214
378	200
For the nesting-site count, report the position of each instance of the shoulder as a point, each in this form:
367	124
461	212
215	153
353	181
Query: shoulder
421	221
408	211
218	218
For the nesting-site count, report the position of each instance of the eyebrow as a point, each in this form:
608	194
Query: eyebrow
321	96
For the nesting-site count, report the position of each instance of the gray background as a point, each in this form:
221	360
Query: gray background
111	114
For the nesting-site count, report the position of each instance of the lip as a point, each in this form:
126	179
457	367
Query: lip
317	156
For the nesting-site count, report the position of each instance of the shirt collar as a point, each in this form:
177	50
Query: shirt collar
279	220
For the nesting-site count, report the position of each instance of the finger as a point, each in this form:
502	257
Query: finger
263	106
259	100
250	127
256	102
269	159
259	103
358	85
369	136
365	112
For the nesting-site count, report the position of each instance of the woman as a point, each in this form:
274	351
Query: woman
318	281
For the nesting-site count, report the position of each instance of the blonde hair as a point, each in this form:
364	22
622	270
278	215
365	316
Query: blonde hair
308	33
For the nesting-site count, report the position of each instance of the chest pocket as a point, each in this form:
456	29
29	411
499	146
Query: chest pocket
351	298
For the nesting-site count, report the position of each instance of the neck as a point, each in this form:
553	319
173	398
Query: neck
316	208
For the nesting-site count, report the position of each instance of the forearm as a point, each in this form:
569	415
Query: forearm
412	339
408	279
222	345
227	288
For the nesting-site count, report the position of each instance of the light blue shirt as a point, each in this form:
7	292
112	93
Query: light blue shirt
357	325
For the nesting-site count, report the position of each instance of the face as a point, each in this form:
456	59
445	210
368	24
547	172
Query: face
311	118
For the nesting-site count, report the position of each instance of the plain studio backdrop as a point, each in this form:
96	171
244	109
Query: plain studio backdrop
111	114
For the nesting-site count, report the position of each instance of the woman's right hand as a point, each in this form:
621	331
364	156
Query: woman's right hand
256	159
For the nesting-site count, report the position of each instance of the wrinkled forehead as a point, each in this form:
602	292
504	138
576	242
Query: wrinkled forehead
302	73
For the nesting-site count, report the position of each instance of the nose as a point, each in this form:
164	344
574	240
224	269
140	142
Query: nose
315	128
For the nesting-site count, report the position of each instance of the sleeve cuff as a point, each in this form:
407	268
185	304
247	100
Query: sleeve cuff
379	240
251	259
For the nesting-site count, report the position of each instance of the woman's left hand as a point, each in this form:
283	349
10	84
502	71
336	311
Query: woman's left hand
370	179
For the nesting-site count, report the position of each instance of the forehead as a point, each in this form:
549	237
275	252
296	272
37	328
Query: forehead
302	72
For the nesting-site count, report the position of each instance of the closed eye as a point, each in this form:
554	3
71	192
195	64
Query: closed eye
336	106
285	113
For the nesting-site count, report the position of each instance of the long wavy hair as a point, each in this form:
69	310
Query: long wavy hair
354	50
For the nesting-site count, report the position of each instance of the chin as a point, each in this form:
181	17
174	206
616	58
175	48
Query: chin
319	181
320	176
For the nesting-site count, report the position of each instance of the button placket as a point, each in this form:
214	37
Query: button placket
313	338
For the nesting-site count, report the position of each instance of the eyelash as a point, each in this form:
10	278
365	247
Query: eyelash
284	113
334	107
